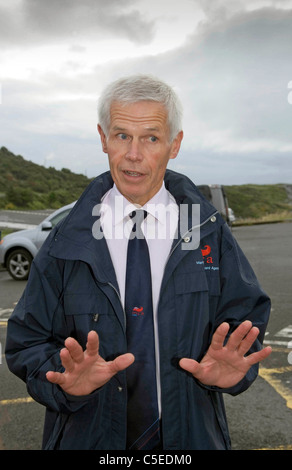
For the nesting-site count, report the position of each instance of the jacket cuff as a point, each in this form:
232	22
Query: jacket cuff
80	398
240	387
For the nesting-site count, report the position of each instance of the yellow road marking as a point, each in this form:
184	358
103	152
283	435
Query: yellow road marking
16	401
288	447
269	376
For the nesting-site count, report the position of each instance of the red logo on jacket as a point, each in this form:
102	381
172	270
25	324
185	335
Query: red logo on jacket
205	252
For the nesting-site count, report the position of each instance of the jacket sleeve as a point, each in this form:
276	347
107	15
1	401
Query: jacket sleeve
32	345
242	298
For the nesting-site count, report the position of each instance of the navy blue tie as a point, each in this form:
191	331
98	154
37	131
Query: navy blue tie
143	418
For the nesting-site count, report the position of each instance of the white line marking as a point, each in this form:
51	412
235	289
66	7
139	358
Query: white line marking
5	310
16	226
285	332
277	343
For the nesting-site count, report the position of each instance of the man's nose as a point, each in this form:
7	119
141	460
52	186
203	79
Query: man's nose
134	150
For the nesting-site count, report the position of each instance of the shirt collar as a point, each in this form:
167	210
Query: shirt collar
121	208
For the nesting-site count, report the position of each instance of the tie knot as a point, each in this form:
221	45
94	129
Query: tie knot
137	218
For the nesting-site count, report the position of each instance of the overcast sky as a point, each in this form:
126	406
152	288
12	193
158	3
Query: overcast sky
230	62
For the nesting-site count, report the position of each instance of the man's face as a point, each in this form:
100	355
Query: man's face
139	148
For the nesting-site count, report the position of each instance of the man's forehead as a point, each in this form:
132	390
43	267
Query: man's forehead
152	115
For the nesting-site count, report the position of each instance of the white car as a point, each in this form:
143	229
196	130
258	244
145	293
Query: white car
231	216
18	249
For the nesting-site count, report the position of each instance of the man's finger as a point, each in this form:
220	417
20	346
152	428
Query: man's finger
238	335
259	356
121	362
92	346
190	365
55	377
248	341
75	350
66	360
219	336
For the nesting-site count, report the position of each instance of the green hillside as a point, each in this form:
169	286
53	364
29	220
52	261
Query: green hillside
267	202
26	185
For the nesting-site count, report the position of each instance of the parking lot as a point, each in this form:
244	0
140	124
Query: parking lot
260	418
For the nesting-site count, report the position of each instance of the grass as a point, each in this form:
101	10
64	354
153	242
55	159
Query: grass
259	203
6	231
254	204
284	216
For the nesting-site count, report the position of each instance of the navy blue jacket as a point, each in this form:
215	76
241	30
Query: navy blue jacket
72	289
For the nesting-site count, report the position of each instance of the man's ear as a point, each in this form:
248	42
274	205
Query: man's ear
102	138
176	144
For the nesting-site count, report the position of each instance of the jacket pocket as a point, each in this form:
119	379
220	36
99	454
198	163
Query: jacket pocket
213	280
92	311
196	298
88	303
187	283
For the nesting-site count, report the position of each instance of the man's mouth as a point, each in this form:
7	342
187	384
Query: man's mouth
132	173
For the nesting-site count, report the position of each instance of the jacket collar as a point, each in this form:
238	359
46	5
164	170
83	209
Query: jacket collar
74	240
186	192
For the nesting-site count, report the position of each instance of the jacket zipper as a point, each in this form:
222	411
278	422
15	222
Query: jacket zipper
119	297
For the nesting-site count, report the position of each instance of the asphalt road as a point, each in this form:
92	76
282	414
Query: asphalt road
260	418
21	219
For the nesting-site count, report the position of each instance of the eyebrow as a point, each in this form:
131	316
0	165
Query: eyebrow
123	129
152	129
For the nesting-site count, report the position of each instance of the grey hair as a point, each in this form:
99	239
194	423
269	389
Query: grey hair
137	88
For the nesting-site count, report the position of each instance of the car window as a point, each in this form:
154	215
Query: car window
58	217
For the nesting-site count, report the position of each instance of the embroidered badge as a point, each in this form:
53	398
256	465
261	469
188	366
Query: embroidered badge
137	311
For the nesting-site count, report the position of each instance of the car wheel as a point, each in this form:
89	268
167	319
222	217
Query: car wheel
18	264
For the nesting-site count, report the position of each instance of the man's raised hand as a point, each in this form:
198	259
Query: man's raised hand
85	371
225	365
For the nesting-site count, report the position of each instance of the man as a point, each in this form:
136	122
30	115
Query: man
71	335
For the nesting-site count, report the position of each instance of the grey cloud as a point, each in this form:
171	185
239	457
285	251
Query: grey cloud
233	82
232	77
236	77
46	22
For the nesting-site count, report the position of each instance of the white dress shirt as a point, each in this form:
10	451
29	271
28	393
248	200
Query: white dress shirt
159	229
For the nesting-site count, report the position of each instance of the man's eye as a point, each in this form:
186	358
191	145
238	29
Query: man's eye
153	138
122	136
